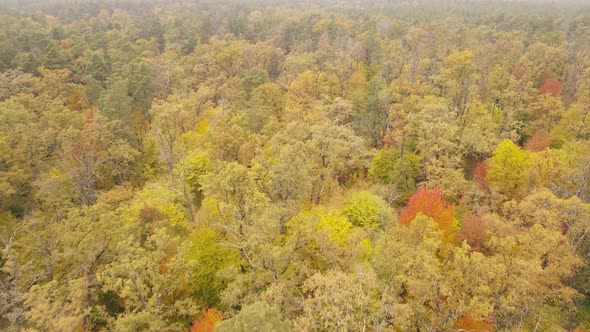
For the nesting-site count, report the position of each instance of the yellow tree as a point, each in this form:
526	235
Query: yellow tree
507	169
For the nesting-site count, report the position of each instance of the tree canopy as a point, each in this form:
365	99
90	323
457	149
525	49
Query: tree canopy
273	165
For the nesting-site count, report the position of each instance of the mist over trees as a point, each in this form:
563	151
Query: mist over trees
279	165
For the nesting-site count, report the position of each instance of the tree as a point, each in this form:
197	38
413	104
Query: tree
430	203
475	231
401	172
142	87
287	136
115	102
258	316
335	225
291	181
575	120
469	324
56	279
253	79
480	173
366	210
436	133
545	112
211	257
457	71
20	154
428	283
98	156
270	95
306	92
148	280
373	112
337	152
552	87
507	168
12	82
170	123
239	199
549	169
338	301
207	322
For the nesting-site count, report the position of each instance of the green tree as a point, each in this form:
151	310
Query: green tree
400	172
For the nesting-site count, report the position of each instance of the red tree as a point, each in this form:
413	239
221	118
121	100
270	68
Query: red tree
480	171
208	321
430	203
538	142
552	87
474	230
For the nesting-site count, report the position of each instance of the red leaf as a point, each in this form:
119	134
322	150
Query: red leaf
430	203
207	322
552	87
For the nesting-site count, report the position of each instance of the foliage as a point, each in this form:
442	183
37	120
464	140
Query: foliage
507	168
401	172
176	165
258	316
364	209
207	322
429	203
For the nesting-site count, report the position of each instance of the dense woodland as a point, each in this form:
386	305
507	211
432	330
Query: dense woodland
294	166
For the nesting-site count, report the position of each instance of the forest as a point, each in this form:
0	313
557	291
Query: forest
313	165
